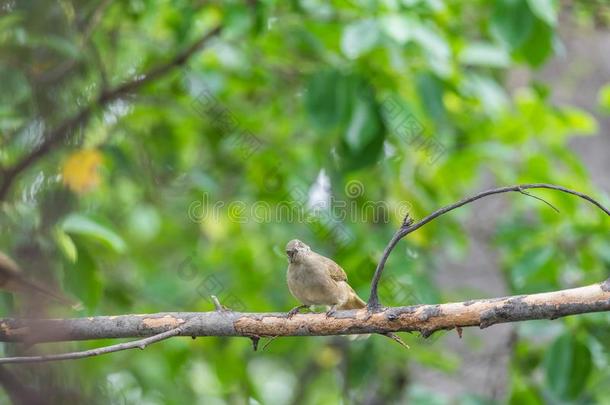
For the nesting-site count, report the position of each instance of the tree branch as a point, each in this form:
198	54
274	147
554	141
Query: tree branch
64	130
425	319
409	225
139	344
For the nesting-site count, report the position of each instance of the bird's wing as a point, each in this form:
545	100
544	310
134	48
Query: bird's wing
335	271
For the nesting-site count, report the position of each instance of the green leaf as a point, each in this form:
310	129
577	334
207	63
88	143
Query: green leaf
579	121
484	88
364	126
82	278
604	98
359	38
435	47
327	100
399	28
66	245
80	225
546	10
430	90
347	103
429	39
539	44
525	395
9	21
364	134
511	22
568	365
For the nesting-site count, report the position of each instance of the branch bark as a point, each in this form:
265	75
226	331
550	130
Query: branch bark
425	319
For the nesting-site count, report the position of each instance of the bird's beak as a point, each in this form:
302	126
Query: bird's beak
290	254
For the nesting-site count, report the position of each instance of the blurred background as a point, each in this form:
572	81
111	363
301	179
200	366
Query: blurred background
323	121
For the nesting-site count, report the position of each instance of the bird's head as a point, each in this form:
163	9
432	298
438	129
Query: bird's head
295	249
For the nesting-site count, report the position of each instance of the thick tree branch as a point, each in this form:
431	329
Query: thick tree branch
425	319
63	131
409	225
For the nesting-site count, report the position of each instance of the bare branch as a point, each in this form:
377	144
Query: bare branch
408	226
217	305
66	128
425	319
137	344
540	199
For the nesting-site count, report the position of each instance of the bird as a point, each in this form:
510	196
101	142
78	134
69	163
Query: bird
314	279
13	280
317	280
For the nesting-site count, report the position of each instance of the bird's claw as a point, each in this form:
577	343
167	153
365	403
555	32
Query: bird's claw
292	312
295	311
331	312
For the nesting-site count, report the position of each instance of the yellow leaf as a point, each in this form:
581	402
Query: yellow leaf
80	171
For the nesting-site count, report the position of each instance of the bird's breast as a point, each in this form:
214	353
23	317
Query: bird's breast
311	284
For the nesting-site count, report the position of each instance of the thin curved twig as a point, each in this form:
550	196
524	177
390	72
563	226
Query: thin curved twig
540	199
409	226
136	344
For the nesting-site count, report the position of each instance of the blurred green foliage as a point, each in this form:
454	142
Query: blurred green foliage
401	102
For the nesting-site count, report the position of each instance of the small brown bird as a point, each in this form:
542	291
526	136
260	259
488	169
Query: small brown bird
317	280
13	280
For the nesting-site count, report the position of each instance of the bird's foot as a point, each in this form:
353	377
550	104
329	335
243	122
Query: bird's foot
296	310
331	311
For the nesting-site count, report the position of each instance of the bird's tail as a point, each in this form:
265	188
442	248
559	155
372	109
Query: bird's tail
353	302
